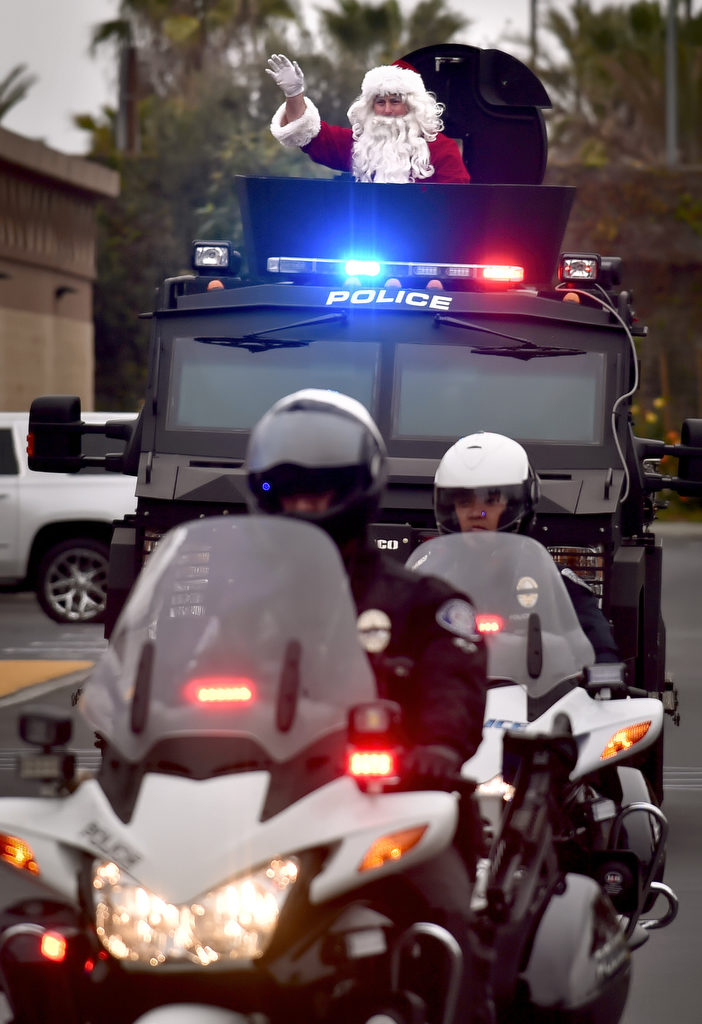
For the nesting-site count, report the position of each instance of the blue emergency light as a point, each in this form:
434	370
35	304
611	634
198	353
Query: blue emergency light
362	268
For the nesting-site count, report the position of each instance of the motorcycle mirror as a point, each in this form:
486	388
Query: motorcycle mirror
375	722
605	680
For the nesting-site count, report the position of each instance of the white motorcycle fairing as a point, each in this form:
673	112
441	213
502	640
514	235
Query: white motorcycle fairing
188	836
594	723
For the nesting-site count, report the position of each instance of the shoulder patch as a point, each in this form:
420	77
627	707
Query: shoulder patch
574	578
457	616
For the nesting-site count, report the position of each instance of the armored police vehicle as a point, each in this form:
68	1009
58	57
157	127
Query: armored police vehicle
445	309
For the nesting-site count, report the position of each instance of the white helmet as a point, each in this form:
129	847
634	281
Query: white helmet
483	470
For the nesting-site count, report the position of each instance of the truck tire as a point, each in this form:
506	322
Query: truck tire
72	580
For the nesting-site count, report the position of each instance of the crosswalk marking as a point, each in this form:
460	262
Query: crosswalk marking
87	758
682	778
69	649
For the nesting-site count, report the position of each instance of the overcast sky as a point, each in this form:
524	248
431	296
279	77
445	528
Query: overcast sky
52	37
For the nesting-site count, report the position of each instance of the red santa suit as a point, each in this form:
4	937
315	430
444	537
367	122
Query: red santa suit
333	145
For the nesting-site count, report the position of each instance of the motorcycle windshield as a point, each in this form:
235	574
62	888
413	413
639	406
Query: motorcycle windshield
513	578
236	627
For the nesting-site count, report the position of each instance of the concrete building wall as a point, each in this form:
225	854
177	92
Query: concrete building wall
47	269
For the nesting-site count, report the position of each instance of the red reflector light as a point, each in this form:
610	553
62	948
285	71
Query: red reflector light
496	272
220	690
30	444
372	764
53	947
488	624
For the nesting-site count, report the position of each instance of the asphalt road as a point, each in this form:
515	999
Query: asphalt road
665	969
665	980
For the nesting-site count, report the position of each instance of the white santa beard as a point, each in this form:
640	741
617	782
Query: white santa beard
391	149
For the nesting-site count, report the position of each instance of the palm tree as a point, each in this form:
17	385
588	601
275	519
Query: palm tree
179	41
609	89
371	34
14	87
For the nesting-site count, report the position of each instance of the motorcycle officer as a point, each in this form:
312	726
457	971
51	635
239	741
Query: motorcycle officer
485	482
318	455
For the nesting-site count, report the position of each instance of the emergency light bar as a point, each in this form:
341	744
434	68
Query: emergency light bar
494	272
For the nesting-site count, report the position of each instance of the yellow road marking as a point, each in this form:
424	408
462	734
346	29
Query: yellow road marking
15	675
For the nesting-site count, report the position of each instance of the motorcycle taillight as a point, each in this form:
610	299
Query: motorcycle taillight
53	946
372	764
488	625
218	690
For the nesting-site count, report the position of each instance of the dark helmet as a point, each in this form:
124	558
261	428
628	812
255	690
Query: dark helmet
486	468
317	442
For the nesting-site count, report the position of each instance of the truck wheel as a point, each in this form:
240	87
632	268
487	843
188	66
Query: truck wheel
72	580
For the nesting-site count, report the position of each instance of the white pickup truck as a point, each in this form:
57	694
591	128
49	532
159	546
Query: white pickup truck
55	528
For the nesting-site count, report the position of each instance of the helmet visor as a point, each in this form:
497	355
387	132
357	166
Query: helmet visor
308	493
464	509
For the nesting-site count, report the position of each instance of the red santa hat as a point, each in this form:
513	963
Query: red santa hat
399	77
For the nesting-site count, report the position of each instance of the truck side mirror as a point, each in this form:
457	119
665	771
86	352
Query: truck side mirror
690	466
54	439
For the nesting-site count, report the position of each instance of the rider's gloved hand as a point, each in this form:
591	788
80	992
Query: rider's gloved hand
286	74
433	762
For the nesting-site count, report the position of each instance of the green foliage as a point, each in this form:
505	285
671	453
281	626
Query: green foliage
14	87
689	211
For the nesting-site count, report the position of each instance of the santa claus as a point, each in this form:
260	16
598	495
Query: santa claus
395	134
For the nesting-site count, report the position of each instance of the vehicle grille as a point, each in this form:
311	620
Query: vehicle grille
588	563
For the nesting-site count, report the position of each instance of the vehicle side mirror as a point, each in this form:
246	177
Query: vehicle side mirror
688	482
690	466
54	439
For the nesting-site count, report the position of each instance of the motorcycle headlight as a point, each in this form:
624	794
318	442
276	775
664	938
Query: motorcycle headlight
233	922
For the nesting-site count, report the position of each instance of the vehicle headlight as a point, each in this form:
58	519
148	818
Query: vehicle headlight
233	922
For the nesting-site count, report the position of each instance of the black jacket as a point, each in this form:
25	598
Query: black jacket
591	617
442	685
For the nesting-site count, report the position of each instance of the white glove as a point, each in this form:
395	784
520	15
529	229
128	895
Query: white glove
286	74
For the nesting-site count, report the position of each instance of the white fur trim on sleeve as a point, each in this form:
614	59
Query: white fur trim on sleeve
299	132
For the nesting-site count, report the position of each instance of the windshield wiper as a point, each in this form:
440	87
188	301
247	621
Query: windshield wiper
252	344
528	351
326	319
256	342
468	325
525	349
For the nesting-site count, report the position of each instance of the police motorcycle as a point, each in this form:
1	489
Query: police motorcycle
542	678
239	854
